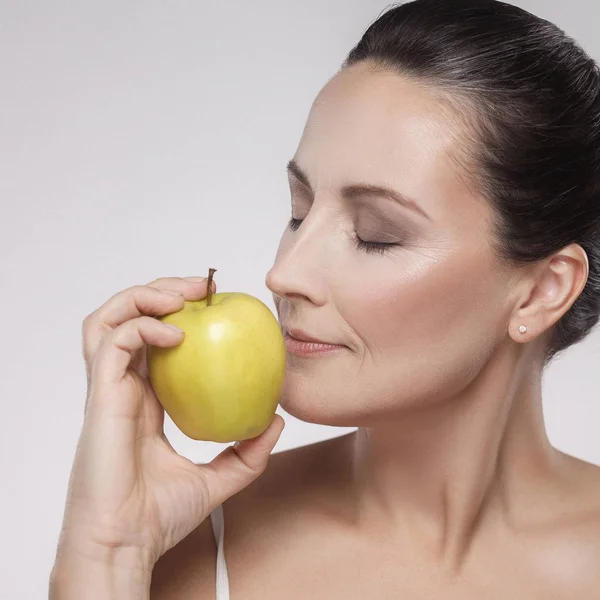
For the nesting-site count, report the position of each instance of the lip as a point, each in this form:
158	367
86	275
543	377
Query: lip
302	344
302	336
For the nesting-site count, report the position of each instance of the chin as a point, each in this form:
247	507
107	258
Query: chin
324	401
312	408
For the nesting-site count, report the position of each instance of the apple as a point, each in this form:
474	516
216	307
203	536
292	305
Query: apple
223	382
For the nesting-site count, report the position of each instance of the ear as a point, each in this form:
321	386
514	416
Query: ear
556	284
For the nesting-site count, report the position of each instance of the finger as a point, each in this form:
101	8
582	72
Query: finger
151	299
239	465
139	362
116	350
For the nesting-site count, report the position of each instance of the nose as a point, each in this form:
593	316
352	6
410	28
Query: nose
300	267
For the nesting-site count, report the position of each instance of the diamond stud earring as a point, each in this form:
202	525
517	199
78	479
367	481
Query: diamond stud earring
522	329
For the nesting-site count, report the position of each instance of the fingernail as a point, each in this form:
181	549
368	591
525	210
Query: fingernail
195	278
173	327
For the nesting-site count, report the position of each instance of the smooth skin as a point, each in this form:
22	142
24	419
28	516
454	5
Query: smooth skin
449	488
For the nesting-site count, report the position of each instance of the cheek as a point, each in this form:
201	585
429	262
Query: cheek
423	312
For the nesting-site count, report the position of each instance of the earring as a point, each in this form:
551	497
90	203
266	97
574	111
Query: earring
522	329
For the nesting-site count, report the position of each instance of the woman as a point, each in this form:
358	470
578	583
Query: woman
441	299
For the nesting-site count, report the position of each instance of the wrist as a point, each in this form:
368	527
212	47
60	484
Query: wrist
100	573
124	558
106	544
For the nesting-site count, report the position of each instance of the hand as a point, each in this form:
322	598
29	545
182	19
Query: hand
129	491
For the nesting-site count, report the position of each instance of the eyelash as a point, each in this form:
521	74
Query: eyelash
370	247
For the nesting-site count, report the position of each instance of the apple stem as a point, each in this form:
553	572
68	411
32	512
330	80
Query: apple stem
209	286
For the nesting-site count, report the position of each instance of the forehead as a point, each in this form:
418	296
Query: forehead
385	128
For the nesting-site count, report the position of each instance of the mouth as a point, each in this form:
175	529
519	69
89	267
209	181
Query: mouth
301	343
302	336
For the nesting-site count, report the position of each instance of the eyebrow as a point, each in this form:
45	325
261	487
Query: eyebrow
360	189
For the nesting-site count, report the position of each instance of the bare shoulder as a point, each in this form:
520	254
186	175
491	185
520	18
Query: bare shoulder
283	515
253	516
573	538
584	481
295	482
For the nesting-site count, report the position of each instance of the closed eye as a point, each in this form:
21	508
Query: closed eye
369	247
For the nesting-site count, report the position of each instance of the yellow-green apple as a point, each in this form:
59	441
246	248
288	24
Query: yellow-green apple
223	381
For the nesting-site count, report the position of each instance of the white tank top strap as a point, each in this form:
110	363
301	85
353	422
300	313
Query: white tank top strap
218	525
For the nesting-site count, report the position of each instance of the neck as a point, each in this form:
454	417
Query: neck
433	477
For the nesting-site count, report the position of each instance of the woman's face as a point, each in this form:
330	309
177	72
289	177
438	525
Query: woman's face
419	319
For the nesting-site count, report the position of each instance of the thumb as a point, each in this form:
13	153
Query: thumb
239	465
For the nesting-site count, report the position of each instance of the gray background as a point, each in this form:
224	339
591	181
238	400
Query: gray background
149	139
